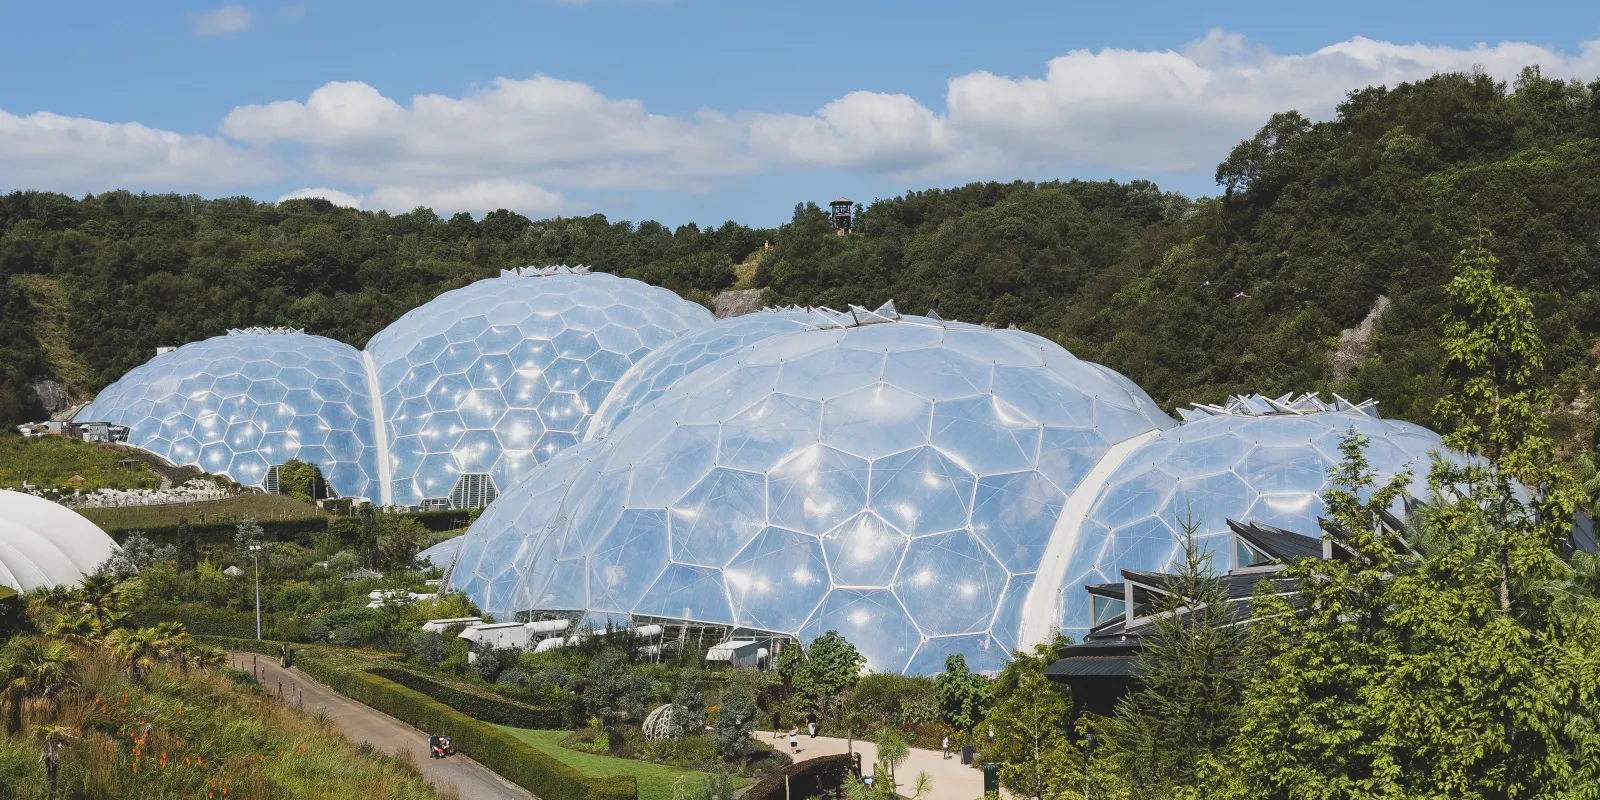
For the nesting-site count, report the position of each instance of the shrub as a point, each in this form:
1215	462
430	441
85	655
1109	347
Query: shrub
426	649
736	720
486	660
514	678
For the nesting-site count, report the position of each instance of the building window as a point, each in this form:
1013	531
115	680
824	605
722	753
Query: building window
1106	609
473	490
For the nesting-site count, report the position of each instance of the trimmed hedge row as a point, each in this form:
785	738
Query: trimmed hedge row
513	760
817	777
299	531
265	647
488	709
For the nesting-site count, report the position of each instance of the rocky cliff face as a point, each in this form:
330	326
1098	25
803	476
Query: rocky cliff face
736	302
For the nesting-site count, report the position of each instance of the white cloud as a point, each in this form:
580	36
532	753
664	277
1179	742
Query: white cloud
231	18
1182	110
338	198
885	132
541	130
72	154
527	143
477	196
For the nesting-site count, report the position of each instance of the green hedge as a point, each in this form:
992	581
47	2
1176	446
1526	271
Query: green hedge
266	647
438	521
299	531
489	709
513	760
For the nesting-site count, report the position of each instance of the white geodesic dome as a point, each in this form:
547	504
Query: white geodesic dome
238	404
1255	459
895	479
499	376
657	372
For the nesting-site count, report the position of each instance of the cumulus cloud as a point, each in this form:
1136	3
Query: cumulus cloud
1181	110
864	130
232	18
334	196
73	154
527	143
542	130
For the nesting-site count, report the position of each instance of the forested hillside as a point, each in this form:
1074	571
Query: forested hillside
1315	222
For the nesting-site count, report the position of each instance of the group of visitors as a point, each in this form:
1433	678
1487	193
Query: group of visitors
440	746
794	732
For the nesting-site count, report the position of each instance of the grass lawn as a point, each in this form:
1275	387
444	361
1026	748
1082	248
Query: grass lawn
655	780
258	506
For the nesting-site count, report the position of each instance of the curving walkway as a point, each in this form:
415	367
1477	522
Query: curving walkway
359	723
951	780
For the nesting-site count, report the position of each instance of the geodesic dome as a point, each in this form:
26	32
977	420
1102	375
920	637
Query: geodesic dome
499	376
1254	459
237	404
657	372
491	556
895	479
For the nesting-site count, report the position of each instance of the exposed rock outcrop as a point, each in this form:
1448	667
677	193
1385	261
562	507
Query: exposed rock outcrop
736	302
52	396
1354	343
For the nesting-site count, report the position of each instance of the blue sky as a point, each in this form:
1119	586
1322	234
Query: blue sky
699	110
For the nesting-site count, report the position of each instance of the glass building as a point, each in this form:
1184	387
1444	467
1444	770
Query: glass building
1254	460
651	377
496	377
241	403
897	479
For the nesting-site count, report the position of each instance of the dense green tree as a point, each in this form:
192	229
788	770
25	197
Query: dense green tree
736	720
1174	726
188	547
1029	724
964	697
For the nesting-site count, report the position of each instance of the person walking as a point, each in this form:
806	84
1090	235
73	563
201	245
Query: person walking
813	727
777	724
946	747
794	741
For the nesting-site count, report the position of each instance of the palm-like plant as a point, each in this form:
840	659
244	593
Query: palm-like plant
139	650
1589	482
102	597
206	657
77	628
40	669
173	642
55	737
37	669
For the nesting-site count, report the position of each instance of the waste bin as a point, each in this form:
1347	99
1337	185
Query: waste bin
991	777
966	754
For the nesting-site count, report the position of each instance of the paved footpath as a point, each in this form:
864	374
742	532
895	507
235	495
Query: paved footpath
951	780
359	723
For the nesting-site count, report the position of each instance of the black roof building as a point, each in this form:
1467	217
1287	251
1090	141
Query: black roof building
1102	668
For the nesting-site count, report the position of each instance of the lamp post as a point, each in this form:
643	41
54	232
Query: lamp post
255	555
1088	754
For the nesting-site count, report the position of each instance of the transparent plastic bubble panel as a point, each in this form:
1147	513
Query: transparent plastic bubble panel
488	562
233	405
652	376
897	482
1270	470
501	375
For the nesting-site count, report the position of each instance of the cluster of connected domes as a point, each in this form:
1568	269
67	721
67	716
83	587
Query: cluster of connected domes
44	545
446	406
501	375
923	487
